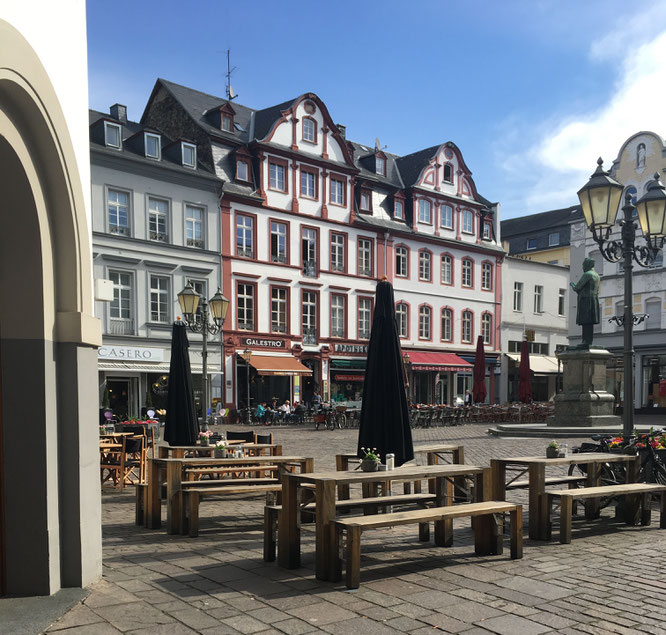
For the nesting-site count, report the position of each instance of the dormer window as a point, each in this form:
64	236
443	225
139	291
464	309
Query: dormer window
380	165
152	145
242	171
112	135
365	201
448	173
227	123
398	210
309	130
189	152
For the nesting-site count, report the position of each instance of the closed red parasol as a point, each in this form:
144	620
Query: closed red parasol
525	385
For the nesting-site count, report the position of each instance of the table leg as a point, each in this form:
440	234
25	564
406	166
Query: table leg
537	486
498	470
443	497
289	531
458	457
342	465
153	512
593	480
487	533
325	539
632	503
174	498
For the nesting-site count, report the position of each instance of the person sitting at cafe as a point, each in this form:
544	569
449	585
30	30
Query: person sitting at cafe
299	411
262	412
286	410
468	398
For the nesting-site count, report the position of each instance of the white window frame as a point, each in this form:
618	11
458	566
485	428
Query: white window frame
538	298
365	201
338	310
308	184
242	177
487	328
425	322
127	227
425	211
309	313
158	142
118	129
195	224
279	231
398	209
248	299
309	130
191	148
554	239
518	297
364	255
467	221
402	257
337	252
279	310
229	118
364	318
466	273
380	166
160	217
446	216
277	176
425	266
486	276
531	240
161	296
467	330
401	314
337	191
447	269
245	231
446	319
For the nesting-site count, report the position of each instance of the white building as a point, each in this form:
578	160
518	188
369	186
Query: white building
535	304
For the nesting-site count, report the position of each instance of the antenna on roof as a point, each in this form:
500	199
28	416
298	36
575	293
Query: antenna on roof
378	146
230	91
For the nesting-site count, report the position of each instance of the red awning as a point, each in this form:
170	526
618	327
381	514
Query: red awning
438	361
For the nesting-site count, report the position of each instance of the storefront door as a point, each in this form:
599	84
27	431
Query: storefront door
123	397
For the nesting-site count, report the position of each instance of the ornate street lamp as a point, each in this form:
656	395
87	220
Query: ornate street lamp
217	307
600	199
247	356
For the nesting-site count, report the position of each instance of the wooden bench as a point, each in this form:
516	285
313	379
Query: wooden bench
567	497
572	481
195	494
191	472
356	526
371	504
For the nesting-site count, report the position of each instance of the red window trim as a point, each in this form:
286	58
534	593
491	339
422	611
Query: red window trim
254	306
462	269
249	174
285	164
372	256
340	179
418	211
358	313
441	331
287	309
365	190
405	277
490	315
424	339
287	238
315	173
380	155
462	315
316	130
317	248
404	337
424	250
255	256
345	255
453	267
330	316
444	166
489	289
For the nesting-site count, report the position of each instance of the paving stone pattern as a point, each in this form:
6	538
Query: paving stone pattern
610	579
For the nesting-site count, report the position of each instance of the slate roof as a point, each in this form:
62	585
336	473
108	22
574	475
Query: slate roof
264	119
392	178
410	165
544	220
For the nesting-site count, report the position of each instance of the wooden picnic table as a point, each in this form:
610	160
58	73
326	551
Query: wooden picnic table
536	466
175	468
326	483
181	451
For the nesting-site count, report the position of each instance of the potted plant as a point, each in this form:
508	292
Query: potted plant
370	461
552	450
204	437
220	450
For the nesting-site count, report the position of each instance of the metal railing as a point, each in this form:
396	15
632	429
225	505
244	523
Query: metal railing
120	326
309	335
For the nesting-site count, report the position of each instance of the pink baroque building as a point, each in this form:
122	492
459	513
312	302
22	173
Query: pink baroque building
310	222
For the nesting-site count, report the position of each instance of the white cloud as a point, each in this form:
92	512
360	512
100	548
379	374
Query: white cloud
567	146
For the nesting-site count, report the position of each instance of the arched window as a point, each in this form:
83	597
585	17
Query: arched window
467	272
424	322
401	313
487	276
425	268
309	130
447	325
487	328
467	332
447	269
402	261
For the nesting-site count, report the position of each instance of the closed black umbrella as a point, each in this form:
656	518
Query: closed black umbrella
181	426
384	413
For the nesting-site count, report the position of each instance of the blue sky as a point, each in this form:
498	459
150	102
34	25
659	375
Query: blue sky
531	91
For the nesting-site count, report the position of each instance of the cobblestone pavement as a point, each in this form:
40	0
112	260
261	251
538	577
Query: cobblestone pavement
610	579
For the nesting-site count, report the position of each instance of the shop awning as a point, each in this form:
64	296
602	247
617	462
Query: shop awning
151	368
539	364
438	361
274	365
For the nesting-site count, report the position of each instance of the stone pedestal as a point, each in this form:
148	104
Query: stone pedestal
584	401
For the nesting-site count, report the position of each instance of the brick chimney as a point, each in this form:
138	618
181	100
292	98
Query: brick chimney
119	112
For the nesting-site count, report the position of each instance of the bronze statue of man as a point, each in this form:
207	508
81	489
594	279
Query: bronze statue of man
588	313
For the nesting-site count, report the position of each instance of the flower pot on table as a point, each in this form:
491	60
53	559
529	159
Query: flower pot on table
368	465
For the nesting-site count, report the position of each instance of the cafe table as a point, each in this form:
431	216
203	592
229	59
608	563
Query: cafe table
326	484
536	466
175	473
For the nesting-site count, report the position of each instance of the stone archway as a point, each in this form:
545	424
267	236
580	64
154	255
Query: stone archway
49	462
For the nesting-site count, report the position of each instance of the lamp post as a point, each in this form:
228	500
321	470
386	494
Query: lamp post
600	199
217	307
247	356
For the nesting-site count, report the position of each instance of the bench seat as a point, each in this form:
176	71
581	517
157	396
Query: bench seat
202	471
551	480
370	504
357	525
227	482
568	496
